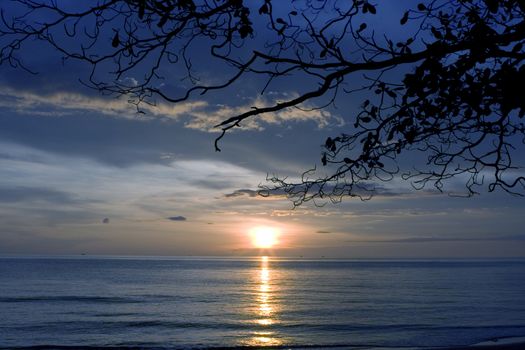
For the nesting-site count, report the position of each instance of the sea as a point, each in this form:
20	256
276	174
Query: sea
239	303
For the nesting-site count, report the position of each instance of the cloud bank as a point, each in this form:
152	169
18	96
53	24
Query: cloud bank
199	115
177	218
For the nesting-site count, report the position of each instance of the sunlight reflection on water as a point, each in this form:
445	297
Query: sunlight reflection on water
266	308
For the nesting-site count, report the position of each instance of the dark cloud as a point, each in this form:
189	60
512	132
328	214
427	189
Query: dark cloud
365	190
242	192
322	231
256	193
31	194
444	239
177	218
46	215
105	221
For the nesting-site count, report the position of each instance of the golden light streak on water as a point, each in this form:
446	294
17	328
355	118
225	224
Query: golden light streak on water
266	308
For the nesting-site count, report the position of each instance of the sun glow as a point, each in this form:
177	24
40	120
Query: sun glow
264	236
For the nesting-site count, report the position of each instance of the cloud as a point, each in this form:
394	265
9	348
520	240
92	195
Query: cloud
241	193
35	194
204	120
177	218
142	190
365	190
322	231
67	103
199	115
444	239
105	221
261	194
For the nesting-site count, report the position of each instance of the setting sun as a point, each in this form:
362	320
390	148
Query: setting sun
264	236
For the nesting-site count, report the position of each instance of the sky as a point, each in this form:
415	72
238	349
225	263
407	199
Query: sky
83	173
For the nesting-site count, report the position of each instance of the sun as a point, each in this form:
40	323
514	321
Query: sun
264	236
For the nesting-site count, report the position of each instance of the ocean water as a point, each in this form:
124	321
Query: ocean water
184	303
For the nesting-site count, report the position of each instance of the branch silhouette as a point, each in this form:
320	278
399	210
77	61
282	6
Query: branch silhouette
448	90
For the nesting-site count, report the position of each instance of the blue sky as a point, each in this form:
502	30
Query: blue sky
71	158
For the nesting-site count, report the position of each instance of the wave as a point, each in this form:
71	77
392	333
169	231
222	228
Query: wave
69	298
239	326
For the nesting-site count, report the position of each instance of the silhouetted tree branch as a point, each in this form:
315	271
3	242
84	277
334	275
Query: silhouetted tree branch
449	90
